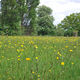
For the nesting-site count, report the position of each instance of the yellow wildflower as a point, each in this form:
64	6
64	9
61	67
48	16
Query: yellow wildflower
18	59
28	59
21	45
66	46
2	56
70	50
62	63
35	46
9	43
72	63
36	57
38	78
49	70
57	57
17	50
31	42
59	54
38	75
33	72
18	56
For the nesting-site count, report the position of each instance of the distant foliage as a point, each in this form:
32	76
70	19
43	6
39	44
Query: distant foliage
29	19
45	20
25	17
71	25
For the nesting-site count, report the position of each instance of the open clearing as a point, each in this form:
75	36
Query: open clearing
39	58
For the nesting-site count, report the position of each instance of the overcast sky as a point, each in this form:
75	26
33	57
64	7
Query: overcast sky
62	8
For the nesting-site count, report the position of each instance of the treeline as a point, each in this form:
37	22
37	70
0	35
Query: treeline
26	17
18	17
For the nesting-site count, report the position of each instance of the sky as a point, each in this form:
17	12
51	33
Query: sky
0	5
62	8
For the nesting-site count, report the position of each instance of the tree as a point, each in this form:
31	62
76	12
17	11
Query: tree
45	20
71	24
30	17
18	13
10	16
59	31
22	9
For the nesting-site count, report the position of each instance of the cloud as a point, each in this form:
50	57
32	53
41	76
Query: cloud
74	1
62	8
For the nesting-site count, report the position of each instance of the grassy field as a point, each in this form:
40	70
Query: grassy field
39	58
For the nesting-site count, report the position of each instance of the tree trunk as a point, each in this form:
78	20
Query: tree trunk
75	33
28	31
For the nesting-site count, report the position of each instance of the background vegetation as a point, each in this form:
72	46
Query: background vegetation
39	58
26	17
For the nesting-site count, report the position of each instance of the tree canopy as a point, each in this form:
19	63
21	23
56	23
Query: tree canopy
18	13
25	17
45	20
71	24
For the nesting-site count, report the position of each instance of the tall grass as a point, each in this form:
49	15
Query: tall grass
39	58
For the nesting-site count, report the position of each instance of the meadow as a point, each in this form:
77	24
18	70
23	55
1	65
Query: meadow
39	58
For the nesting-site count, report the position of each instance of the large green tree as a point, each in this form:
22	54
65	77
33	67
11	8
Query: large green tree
30	17
12	12
9	17
16	13
71	24
45	20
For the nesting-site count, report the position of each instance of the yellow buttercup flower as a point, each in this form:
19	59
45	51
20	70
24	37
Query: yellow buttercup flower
35	46
31	42
66	46
18	50
18	59
72	63
49	70
18	56
28	59
9	43
2	56
62	63
59	54
57	57
38	78
38	75
70	50
36	57
21	45
33	72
